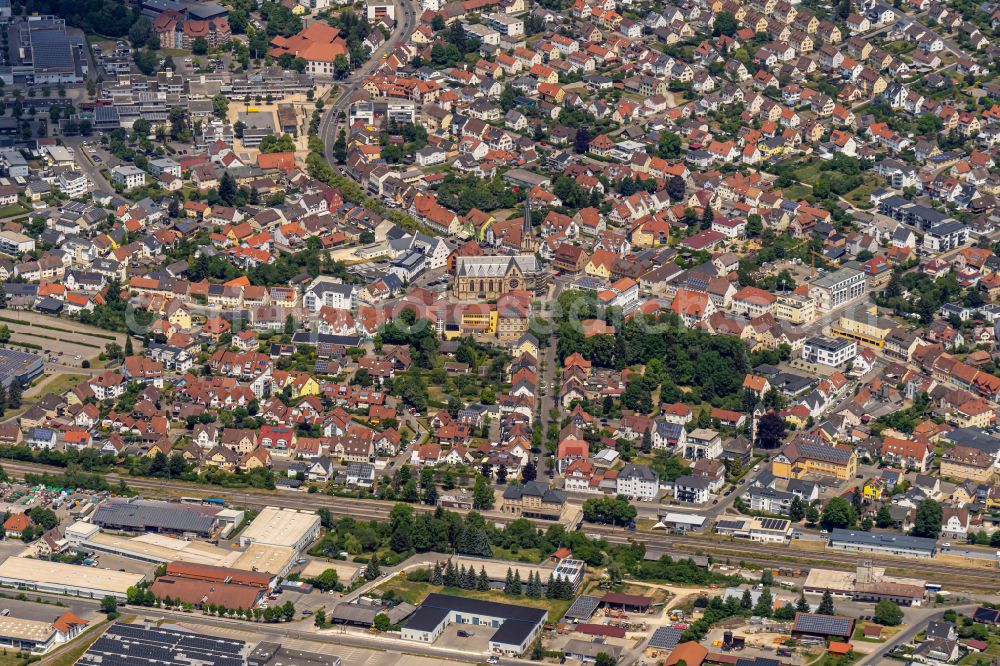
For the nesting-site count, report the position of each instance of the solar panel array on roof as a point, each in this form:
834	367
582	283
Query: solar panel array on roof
773	524
583	608
131	645
986	616
732	524
666	638
152	516
826	625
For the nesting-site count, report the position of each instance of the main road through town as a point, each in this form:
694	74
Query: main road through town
406	22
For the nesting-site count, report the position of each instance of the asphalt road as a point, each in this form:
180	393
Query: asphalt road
918	622
330	122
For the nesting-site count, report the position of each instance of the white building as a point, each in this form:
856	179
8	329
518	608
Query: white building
834	289
692	489
946	236
381	9
278	527
638	482
331	292
506	25
703	443
128	176
73	184
831	352
517	627
15	244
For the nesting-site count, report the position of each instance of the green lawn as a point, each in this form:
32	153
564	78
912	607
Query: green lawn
414	593
807	172
529	555
14	209
860	195
796	192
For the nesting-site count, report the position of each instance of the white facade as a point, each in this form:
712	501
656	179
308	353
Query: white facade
638	482
832	352
73	184
833	290
129	177
331	293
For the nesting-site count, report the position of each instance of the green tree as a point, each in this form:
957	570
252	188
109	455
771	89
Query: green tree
328	580
927	522
888	613
826	605
802	605
373	570
765	604
838	513
725	24
796	509
482	494
382	623
884	518
109	605
604	659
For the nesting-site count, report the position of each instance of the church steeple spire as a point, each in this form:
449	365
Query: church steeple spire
527	237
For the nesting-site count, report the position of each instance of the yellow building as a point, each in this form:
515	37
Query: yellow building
863	325
479	321
801	458
795	308
528	344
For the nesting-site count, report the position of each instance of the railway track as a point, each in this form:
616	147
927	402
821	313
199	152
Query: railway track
718	547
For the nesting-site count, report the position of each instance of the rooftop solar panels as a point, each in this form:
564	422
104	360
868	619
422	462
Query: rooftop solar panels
583	608
666	638
773	524
732	524
132	645
823	625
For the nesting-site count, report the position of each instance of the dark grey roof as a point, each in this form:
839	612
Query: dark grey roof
535	489
583	608
882	540
641	472
666	638
147	515
519	621
132	645
974	438
826	625
689	481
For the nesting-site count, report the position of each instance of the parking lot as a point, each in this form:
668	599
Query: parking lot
41	612
64	342
474	639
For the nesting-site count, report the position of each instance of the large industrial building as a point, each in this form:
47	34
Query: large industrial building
69	579
517	626
866	583
21	367
154	646
286	528
889	544
139	515
36	637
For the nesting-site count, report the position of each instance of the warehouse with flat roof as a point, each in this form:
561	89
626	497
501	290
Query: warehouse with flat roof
70	579
516	626
287	528
877	542
276	560
139	515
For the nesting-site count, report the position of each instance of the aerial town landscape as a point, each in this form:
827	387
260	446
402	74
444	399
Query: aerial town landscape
441	332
